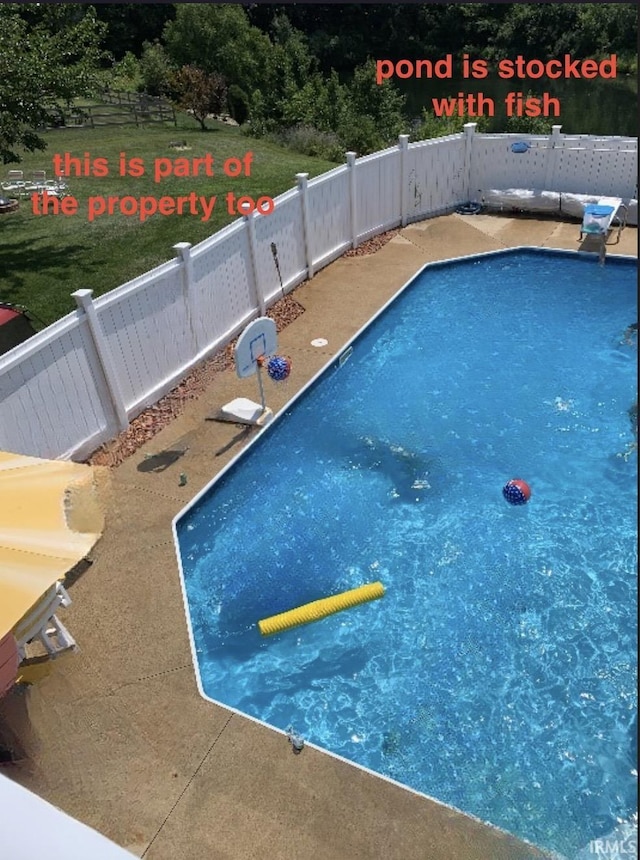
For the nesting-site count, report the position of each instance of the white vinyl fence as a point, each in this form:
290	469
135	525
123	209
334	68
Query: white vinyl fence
79	382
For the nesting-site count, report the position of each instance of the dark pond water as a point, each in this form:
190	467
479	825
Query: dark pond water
586	107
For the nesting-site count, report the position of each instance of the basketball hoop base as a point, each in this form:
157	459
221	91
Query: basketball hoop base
245	411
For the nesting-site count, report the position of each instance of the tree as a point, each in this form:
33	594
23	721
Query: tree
606	29
288	75
155	69
43	63
537	31
129	25
375	112
125	74
200	93
218	38
321	103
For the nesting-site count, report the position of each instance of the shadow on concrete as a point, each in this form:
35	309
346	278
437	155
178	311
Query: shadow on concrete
239	437
17	740
162	460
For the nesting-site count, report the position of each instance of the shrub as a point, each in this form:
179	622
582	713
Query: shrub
309	140
156	70
429	125
238	104
125	74
379	108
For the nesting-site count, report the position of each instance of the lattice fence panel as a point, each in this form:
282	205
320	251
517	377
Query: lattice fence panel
223	291
329	214
378	192
284	227
495	165
147	331
55	397
603	166
435	176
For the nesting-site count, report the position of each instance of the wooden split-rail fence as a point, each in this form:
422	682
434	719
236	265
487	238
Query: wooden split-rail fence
118	108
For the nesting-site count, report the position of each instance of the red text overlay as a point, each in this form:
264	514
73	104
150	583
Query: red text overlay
515	103
53	201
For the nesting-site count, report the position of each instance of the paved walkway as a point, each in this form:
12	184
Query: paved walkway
118	736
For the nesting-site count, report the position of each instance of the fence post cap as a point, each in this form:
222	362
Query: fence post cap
82	296
181	246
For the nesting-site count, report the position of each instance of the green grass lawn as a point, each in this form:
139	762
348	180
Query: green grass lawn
46	257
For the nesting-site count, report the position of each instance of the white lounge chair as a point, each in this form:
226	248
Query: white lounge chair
14	183
42	623
56	187
38	181
600	218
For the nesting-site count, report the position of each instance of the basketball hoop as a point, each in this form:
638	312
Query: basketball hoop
255	349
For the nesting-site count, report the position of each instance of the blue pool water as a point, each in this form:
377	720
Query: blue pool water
498	672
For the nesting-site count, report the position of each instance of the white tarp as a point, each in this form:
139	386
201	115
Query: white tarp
535	200
521	199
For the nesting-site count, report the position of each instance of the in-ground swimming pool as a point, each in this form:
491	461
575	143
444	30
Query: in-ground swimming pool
498	672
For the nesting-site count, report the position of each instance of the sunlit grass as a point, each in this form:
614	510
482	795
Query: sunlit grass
46	258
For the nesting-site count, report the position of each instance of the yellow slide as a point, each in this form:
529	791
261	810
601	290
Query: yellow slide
320	608
51	518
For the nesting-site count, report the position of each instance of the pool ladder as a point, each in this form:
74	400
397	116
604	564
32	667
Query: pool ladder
346	355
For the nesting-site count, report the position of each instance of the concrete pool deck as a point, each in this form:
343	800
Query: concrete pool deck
118	736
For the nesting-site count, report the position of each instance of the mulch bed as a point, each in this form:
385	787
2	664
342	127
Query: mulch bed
372	245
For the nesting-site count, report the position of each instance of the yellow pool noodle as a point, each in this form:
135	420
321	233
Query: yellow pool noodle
320	608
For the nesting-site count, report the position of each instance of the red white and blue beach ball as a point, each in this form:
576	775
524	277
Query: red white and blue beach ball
516	492
279	367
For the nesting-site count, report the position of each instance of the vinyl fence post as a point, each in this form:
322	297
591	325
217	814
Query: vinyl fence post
351	164
469	134
84	302
303	179
552	158
403	145
249	221
183	250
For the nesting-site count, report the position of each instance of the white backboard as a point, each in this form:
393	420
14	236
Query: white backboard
259	338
